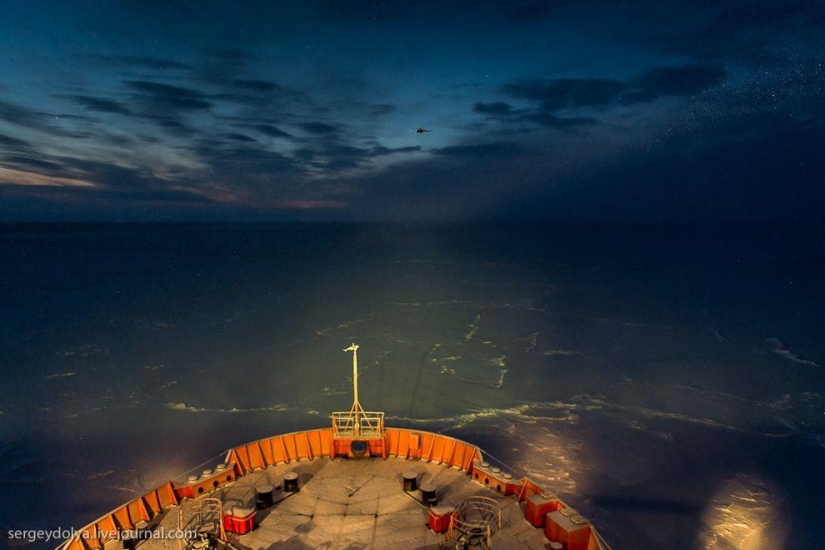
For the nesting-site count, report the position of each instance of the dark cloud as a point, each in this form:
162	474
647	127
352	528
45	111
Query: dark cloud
158	195
342	164
567	93
168	106
331	156
754	14
304	153
99	104
382	151
498	108
499	149
114	181
49	165
250	175
255	85
36	120
106	181
339	150
244	161
166	96
39	165
14	143
172	125
318	128
672	81
270	130
260	98
117	139
105	197
148	62
552	121
21	116
458	182
239	137
747	31
342	150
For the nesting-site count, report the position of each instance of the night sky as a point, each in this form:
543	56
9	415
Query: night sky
693	111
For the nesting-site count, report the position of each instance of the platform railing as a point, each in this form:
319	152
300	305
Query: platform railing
363	424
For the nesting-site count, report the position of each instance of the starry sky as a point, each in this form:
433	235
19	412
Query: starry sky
564	111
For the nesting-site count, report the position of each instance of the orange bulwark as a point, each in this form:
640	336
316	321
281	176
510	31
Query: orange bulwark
311	444
137	512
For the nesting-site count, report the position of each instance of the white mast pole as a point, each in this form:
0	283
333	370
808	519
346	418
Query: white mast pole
356	406
355	372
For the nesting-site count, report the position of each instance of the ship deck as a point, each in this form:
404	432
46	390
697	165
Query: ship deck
352	504
348	498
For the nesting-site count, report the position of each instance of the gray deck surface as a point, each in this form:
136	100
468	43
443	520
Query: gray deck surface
354	504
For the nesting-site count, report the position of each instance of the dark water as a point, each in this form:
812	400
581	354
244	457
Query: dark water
667	381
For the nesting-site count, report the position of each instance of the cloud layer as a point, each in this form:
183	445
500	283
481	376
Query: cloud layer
209	113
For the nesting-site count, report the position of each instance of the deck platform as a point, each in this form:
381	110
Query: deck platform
353	504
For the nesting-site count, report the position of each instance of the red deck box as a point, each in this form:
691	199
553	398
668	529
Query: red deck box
538	506
572	531
440	517
239	520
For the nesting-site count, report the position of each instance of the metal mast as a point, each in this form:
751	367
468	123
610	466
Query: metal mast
357	410
356	423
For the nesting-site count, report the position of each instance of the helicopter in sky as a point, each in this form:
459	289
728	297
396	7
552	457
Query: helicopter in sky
422	130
